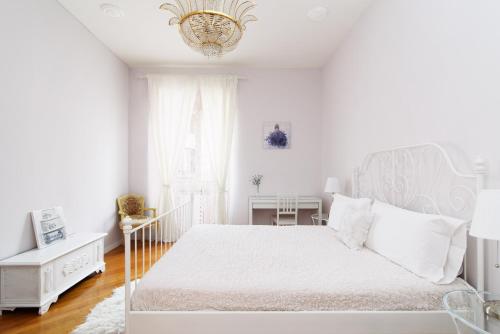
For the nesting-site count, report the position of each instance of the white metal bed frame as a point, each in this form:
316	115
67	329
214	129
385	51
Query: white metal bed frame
421	178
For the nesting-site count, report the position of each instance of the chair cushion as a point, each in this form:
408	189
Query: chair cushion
136	220
139	217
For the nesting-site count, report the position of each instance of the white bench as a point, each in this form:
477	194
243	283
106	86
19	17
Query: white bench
37	277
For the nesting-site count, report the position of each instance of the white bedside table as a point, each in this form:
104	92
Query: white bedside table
474	312
37	277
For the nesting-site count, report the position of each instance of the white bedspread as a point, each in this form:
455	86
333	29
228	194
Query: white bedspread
265	268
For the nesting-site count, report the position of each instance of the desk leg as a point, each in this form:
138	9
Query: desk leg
250	213
320	212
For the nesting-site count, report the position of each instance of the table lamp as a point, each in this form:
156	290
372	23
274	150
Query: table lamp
486	225
486	220
332	185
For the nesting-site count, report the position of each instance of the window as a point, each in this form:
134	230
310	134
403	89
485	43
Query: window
194	178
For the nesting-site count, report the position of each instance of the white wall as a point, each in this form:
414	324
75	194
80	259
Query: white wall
413	72
264	95
63	112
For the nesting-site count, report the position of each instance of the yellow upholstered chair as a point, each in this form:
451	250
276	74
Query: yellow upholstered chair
132	205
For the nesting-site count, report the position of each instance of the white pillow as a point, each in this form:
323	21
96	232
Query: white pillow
430	246
342	205
354	229
457	250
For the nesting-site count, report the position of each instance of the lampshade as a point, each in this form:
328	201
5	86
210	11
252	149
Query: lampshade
332	185
486	221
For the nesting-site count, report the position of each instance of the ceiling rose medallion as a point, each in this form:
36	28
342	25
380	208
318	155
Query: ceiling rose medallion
212	27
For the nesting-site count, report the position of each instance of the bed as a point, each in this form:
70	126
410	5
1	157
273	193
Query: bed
257	279
302	268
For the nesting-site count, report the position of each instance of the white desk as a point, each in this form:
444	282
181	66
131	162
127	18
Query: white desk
270	202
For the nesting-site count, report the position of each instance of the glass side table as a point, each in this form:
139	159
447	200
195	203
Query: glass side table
319	219
474	312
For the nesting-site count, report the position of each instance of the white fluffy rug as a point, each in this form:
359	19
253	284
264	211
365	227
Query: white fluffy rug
107	317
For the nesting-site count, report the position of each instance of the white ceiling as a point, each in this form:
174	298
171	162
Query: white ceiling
283	37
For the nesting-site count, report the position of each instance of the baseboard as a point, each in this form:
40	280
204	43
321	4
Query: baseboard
111	246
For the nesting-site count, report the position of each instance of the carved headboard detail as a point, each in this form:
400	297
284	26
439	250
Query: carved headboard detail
420	178
423	178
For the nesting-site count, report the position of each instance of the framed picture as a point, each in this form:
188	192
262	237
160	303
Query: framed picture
277	135
49	225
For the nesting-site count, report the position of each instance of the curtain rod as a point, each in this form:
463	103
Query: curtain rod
139	77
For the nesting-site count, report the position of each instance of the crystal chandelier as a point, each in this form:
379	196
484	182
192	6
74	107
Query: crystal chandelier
212	27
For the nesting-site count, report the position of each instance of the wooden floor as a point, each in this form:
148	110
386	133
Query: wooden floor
74	305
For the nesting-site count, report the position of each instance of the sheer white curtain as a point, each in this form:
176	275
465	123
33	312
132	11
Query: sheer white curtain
219	109
171	103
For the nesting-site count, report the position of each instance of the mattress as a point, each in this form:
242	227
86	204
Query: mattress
266	268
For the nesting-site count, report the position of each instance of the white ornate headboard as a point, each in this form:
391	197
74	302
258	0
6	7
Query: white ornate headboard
422	178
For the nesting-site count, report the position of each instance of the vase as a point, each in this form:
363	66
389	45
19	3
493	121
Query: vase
258	188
